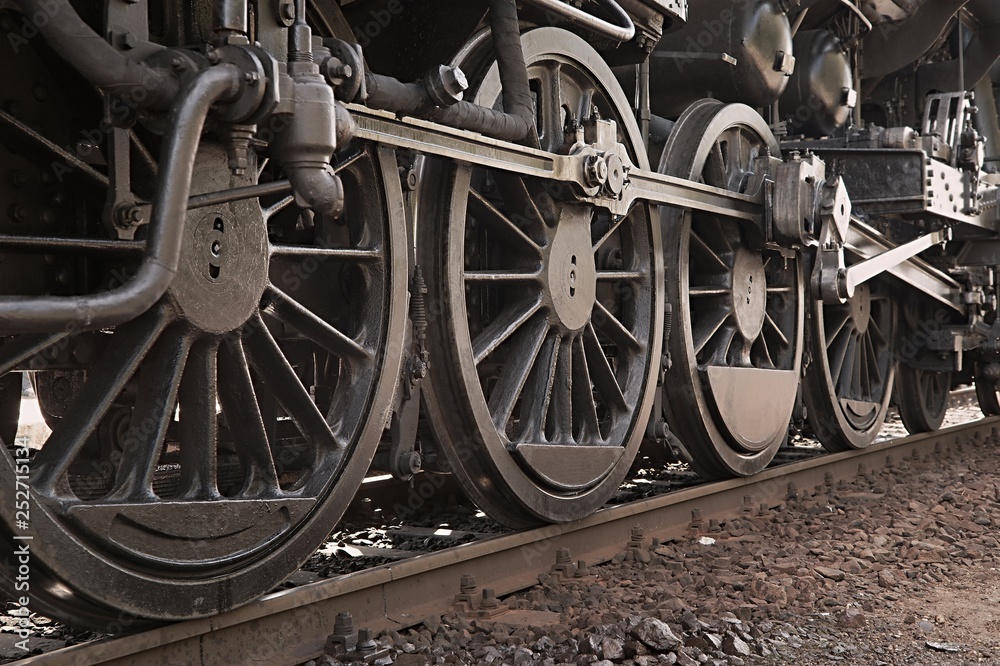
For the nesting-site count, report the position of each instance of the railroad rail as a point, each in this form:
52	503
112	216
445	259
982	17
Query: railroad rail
292	626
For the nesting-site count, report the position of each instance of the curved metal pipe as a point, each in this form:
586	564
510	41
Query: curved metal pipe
318	189
516	89
21	314
95	59
623	30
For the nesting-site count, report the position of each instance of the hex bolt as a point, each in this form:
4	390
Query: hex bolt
129	41
581	569
490	598
454	80
343	625
19	213
637	533
366	641
562	556
595	171
468	584
446	85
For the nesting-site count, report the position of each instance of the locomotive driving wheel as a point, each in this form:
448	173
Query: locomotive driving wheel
923	397
848	385
987	391
217	438
548	327
736	342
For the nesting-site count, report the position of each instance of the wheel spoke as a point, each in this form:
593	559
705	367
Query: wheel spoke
551	105
538	392
601	373
246	426
516	197
620	276
560	421
505	277
268	360
723	345
156	398
615	225
585	407
325	253
707	325
199	430
25	348
714	173
608	324
708	258
276	208
835	323
836	356
128	347
488	214
775	330
874	367
307	323
502	327
705	292
515	372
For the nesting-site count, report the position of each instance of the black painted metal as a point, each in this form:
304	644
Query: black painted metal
154	274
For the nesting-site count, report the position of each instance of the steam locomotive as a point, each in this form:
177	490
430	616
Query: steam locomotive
254	248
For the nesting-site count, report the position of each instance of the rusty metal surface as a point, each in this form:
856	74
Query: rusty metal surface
291	627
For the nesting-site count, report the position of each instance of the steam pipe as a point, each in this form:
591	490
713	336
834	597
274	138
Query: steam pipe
95	59
622	30
20	314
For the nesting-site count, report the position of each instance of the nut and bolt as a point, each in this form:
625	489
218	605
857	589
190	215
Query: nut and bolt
128	216
286	12
468	584
366	641
595	171
129	41
343	625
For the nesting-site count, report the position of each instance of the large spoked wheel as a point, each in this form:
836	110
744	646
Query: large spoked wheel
923	397
202	451
542	351
738	312
987	393
848	385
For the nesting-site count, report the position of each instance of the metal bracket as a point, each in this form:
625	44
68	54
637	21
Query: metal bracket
849	278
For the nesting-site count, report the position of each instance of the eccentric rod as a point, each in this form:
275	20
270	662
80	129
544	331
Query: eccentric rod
20	314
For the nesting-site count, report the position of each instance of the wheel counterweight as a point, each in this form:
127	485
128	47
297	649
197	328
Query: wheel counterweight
738	311
541	379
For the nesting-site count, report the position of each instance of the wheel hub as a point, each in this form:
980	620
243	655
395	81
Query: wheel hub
223	270
749	293
861	308
571	278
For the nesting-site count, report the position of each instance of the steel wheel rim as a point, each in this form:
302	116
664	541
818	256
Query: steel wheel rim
849	384
308	502
706	260
510	477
